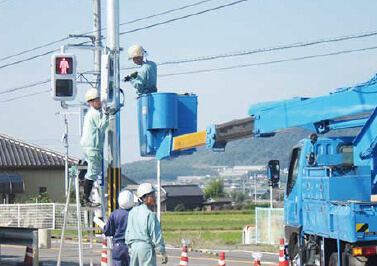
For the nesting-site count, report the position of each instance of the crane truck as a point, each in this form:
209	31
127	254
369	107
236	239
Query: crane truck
330	205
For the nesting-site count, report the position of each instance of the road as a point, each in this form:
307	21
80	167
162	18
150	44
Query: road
11	255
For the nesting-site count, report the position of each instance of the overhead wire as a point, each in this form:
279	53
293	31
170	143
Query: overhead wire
269	62
25	86
218	69
267	49
103	29
183	17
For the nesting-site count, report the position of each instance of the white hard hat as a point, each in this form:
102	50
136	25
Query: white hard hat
144	189
92	94
126	199
135	51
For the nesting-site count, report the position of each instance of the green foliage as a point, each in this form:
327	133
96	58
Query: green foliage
179	208
41	198
215	189
238	197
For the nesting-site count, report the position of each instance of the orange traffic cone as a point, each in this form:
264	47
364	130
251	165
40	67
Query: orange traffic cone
184	257
282	259
257	256
222	259
28	256
104	253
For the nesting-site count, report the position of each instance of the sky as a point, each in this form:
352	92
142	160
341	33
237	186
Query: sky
223	95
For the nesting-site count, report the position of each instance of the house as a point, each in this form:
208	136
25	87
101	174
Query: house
214	204
188	196
32	169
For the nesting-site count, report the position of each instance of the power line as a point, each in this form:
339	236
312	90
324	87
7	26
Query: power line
183	17
264	50
165	12
28	59
25	86
24	96
124	23
269	62
34	49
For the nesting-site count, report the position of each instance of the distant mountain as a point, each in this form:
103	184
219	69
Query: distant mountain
241	152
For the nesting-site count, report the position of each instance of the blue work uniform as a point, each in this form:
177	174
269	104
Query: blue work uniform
143	236
93	137
146	80
116	227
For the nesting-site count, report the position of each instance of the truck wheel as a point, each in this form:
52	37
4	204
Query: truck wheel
333	261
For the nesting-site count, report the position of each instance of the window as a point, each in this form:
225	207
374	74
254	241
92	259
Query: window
347	151
293	169
42	190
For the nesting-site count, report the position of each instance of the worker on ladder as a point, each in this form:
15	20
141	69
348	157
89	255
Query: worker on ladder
143	233
92	140
145	79
116	227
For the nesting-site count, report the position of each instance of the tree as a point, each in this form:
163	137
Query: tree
238	197
214	189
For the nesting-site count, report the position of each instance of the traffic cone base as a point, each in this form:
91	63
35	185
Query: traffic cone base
184	257
28	256
222	259
282	259
104	253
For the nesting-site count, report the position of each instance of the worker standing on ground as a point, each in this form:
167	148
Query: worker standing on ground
145	79
116	227
93	137
143	234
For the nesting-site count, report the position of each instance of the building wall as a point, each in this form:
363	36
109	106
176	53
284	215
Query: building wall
51	178
189	202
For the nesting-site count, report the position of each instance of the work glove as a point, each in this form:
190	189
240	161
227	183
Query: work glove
130	76
106	110
164	259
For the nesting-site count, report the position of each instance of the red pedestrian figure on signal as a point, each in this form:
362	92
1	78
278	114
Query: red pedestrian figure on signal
64	66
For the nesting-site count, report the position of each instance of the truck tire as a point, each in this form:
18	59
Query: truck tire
333	261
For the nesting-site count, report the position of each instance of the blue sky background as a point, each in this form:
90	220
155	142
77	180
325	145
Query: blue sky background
223	95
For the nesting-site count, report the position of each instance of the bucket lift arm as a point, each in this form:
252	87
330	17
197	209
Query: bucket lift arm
345	108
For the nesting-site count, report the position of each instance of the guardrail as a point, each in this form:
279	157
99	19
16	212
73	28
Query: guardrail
21	237
39	215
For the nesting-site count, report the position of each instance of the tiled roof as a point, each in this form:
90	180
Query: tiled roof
16	153
183	190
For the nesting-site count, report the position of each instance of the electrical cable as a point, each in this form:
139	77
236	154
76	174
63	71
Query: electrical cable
103	29
269	62
264	50
183	17
212	69
23	96
25	86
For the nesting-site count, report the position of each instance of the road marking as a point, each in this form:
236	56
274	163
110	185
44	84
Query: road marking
234	261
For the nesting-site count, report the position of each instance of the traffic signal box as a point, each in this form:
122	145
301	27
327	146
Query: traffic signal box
63	77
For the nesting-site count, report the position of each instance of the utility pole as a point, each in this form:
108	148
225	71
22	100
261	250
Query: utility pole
97	42
159	190
66	146
113	137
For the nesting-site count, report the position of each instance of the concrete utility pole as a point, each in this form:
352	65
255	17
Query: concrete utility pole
114	169
97	41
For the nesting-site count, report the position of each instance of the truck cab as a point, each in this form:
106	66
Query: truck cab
328	211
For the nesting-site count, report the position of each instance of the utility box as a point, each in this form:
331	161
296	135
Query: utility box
164	114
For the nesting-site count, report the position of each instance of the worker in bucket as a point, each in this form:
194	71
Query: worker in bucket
143	234
93	137
116	227
145	79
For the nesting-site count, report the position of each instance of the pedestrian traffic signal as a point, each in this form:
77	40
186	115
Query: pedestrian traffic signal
63	77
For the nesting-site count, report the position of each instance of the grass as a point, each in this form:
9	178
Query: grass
206	229
209	230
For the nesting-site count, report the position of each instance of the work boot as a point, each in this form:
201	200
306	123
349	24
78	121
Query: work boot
86	202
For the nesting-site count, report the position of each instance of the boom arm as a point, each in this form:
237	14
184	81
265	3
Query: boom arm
346	108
